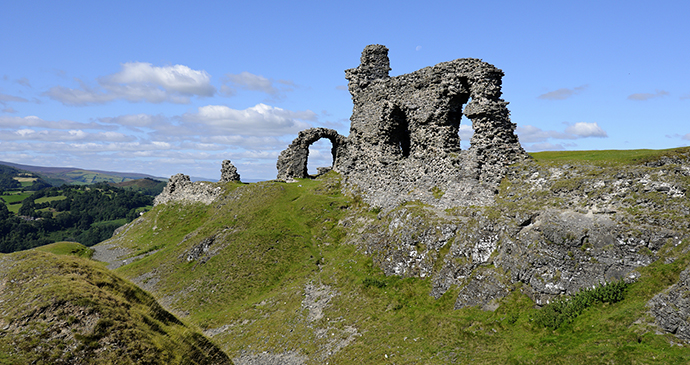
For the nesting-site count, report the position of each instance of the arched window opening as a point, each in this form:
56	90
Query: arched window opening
401	135
458	120
320	155
465	133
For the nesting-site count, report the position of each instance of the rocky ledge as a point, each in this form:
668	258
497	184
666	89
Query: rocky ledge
553	230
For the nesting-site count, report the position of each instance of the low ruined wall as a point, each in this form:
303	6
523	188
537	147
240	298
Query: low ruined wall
180	188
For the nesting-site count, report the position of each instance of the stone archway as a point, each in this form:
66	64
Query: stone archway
292	162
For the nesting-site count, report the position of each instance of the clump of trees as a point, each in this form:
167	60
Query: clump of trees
85	214
8	181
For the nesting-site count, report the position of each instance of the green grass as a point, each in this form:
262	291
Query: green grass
66	309
67	248
273	239
26	179
607	156
82	177
16	197
114	222
563	311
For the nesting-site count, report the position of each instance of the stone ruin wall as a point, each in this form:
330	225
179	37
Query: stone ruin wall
404	144
292	162
180	187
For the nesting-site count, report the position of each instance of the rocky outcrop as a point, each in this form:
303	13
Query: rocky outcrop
228	172
552	231
181	188
404	144
292	162
671	308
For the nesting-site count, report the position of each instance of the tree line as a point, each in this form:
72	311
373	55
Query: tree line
87	214
8	181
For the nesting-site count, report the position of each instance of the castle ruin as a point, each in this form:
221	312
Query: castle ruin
404	141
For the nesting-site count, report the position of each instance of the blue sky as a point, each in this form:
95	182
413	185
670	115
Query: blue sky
167	87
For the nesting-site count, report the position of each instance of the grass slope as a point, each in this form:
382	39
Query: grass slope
267	268
147	186
615	157
67	248
65	309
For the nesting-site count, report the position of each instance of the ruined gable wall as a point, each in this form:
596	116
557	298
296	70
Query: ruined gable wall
417	115
404	134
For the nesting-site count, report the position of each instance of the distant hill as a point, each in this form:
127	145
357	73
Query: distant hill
15	179
73	175
146	185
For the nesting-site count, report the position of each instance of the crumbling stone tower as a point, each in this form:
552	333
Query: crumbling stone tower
418	115
404	141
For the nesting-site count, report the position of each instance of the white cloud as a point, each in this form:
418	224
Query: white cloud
4	98
686	137
23	81
135	120
532	134
584	130
248	81
259	120
341	87
36	122
137	82
48	135
647	96
544	146
177	78
158	144
9	109
84	96
112	137
466	132
563	93
251	142
259	155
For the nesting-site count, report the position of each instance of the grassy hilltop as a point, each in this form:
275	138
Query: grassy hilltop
59	307
269	268
276	273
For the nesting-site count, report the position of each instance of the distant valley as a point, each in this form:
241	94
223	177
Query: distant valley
40	205
74	175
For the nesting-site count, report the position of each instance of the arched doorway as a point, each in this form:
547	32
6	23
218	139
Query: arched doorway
320	155
292	162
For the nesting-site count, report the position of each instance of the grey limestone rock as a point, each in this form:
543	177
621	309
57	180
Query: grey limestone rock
292	162
228	172
671	308
552	231
200	249
181	188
